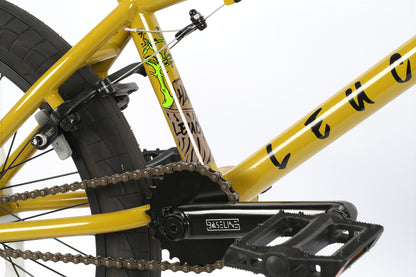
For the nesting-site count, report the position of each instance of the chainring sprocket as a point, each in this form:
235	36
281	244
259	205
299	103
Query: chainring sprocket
182	188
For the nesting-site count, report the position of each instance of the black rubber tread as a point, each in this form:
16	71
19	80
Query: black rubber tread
104	143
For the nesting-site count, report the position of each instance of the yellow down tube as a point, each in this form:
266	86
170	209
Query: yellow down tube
358	100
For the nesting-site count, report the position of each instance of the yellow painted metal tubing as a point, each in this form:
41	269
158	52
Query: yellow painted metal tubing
358	100
64	68
107	55
230	2
75	226
109	51
54	99
51	202
164	76
154	5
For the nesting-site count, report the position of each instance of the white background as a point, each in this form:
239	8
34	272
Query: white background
263	64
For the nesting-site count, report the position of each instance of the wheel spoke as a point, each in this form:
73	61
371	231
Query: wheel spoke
12	165
50	212
40	180
39	263
16	266
58	210
71	247
9	152
10	213
3	172
21	163
54	211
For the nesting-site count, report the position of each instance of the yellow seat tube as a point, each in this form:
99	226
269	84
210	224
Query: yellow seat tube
170	91
355	102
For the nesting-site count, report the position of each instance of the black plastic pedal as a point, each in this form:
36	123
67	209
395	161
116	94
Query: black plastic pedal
300	256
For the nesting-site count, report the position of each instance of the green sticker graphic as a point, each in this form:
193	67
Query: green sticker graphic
157	67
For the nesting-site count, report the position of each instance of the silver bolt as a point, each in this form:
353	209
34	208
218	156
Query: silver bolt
39	140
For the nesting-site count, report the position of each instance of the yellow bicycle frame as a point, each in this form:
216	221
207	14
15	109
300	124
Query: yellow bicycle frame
99	49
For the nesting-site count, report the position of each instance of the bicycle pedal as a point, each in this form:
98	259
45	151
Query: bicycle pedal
300	255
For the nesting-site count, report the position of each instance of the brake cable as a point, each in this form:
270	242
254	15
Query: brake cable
198	23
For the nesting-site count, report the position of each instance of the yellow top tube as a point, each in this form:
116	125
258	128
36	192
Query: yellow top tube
155	5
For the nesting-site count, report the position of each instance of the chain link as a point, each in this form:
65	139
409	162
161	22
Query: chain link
204	170
109	262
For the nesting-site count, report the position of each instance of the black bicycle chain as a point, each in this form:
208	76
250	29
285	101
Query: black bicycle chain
204	170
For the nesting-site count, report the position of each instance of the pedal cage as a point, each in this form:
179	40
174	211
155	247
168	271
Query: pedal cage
297	256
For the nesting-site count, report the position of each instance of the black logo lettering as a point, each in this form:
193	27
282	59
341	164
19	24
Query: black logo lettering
219	225
315	127
274	160
393	59
361	98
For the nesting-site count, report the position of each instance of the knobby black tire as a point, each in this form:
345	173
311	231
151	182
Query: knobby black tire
103	144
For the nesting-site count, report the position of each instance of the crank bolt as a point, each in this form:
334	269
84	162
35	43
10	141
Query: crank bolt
175	227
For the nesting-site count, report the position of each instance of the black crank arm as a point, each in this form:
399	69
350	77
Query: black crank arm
227	221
